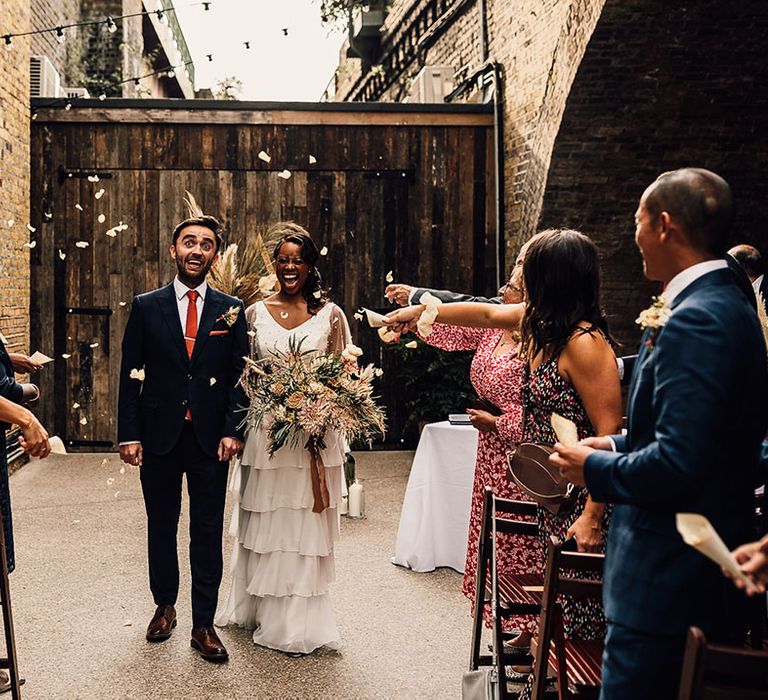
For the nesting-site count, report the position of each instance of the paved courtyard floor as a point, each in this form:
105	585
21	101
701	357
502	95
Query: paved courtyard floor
81	601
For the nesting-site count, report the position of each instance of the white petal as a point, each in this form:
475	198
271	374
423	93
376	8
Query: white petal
390	277
83	421
317	294
123	303
82	244
413	344
101	218
66	355
31	244
62	254
75	405
212	381
323	251
94	345
110	481
10	222
31	228
312	159
264	156
99	194
285	174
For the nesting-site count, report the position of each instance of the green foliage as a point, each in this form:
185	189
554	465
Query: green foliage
337	11
435	382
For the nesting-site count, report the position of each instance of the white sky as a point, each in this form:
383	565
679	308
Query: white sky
296	67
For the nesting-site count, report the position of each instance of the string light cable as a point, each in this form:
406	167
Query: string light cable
109	22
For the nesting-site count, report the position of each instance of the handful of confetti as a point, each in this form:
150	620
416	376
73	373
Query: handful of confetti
428	316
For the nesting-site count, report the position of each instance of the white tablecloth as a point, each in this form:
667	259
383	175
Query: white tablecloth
435	519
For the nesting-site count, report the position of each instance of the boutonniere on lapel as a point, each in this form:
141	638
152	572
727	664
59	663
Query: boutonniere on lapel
654	317
229	316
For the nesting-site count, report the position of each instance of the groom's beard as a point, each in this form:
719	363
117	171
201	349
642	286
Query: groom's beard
192	277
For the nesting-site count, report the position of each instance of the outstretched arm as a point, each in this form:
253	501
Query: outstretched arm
507	316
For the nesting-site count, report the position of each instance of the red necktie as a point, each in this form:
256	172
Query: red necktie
190	330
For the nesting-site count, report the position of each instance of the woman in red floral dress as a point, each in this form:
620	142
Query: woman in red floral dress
497	375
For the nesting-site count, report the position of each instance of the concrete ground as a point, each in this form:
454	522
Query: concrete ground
81	601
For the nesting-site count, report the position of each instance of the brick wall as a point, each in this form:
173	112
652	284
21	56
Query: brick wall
51	13
14	176
661	86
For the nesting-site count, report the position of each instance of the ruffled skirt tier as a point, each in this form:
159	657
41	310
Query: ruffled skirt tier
282	561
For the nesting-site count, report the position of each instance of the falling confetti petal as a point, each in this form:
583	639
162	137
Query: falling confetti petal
102	97
413	344
324	250
122	470
48	215
75	522
99	194
101	218
31	244
285	174
110	481
93	178
104	461
123	303
83	421
378	372
62	254
317	294
31	228
212	381
117	493
66	355
78	206
75	405
94	345
390	278
312	160
252	334
10	222
82	244
112	233
358	316
127	623
137	374
263	155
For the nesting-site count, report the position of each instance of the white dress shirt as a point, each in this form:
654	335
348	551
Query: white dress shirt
182	300
688	276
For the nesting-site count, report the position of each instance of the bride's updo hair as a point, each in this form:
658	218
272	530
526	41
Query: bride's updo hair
290	232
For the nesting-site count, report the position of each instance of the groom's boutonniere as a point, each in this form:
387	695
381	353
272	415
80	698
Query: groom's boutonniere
654	317
229	316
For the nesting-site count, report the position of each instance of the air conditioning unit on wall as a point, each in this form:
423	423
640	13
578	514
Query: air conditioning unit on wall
73	92
432	84
44	79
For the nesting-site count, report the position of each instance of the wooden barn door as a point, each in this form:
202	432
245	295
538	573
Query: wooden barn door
96	269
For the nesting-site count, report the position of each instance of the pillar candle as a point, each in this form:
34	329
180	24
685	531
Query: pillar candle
356	501
344	506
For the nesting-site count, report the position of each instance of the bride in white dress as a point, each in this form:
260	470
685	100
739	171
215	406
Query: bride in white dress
282	561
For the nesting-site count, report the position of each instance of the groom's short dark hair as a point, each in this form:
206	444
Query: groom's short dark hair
210	222
700	201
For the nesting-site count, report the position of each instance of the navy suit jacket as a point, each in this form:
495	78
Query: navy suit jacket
9	388
448	297
154	412
696	419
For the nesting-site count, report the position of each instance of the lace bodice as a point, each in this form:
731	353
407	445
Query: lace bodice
326	331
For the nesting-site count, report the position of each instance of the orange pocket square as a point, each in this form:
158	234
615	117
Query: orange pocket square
218	332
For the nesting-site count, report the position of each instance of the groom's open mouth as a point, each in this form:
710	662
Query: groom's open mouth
194	264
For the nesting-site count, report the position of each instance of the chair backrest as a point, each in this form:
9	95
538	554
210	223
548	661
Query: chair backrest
713	672
566	573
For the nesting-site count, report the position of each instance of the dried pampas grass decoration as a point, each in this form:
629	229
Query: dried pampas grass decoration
194	210
240	267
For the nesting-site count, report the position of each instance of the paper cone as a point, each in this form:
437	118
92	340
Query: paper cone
374	320
698	532
565	430
57	446
40	358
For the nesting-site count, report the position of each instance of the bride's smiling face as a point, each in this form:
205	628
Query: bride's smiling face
291	268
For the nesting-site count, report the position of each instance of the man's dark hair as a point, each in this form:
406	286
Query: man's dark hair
209	222
749	258
700	201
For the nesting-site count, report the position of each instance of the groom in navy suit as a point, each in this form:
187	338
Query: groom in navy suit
183	353
696	418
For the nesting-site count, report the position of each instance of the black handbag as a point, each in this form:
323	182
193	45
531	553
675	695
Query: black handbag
530	468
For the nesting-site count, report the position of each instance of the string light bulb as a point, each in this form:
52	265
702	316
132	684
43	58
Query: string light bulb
111	26
8	42
161	16
171	73
206	6
209	56
60	34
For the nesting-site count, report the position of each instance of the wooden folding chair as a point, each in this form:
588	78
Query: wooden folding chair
577	663
713	672
9	662
516	595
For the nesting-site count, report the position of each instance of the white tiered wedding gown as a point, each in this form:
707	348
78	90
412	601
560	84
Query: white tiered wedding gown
282	561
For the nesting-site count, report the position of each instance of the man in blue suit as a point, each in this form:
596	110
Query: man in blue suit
696	418
178	414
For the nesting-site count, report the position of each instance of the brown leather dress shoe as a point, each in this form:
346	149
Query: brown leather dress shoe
207	643
162	623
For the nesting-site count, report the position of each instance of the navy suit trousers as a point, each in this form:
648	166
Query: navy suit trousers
161	478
